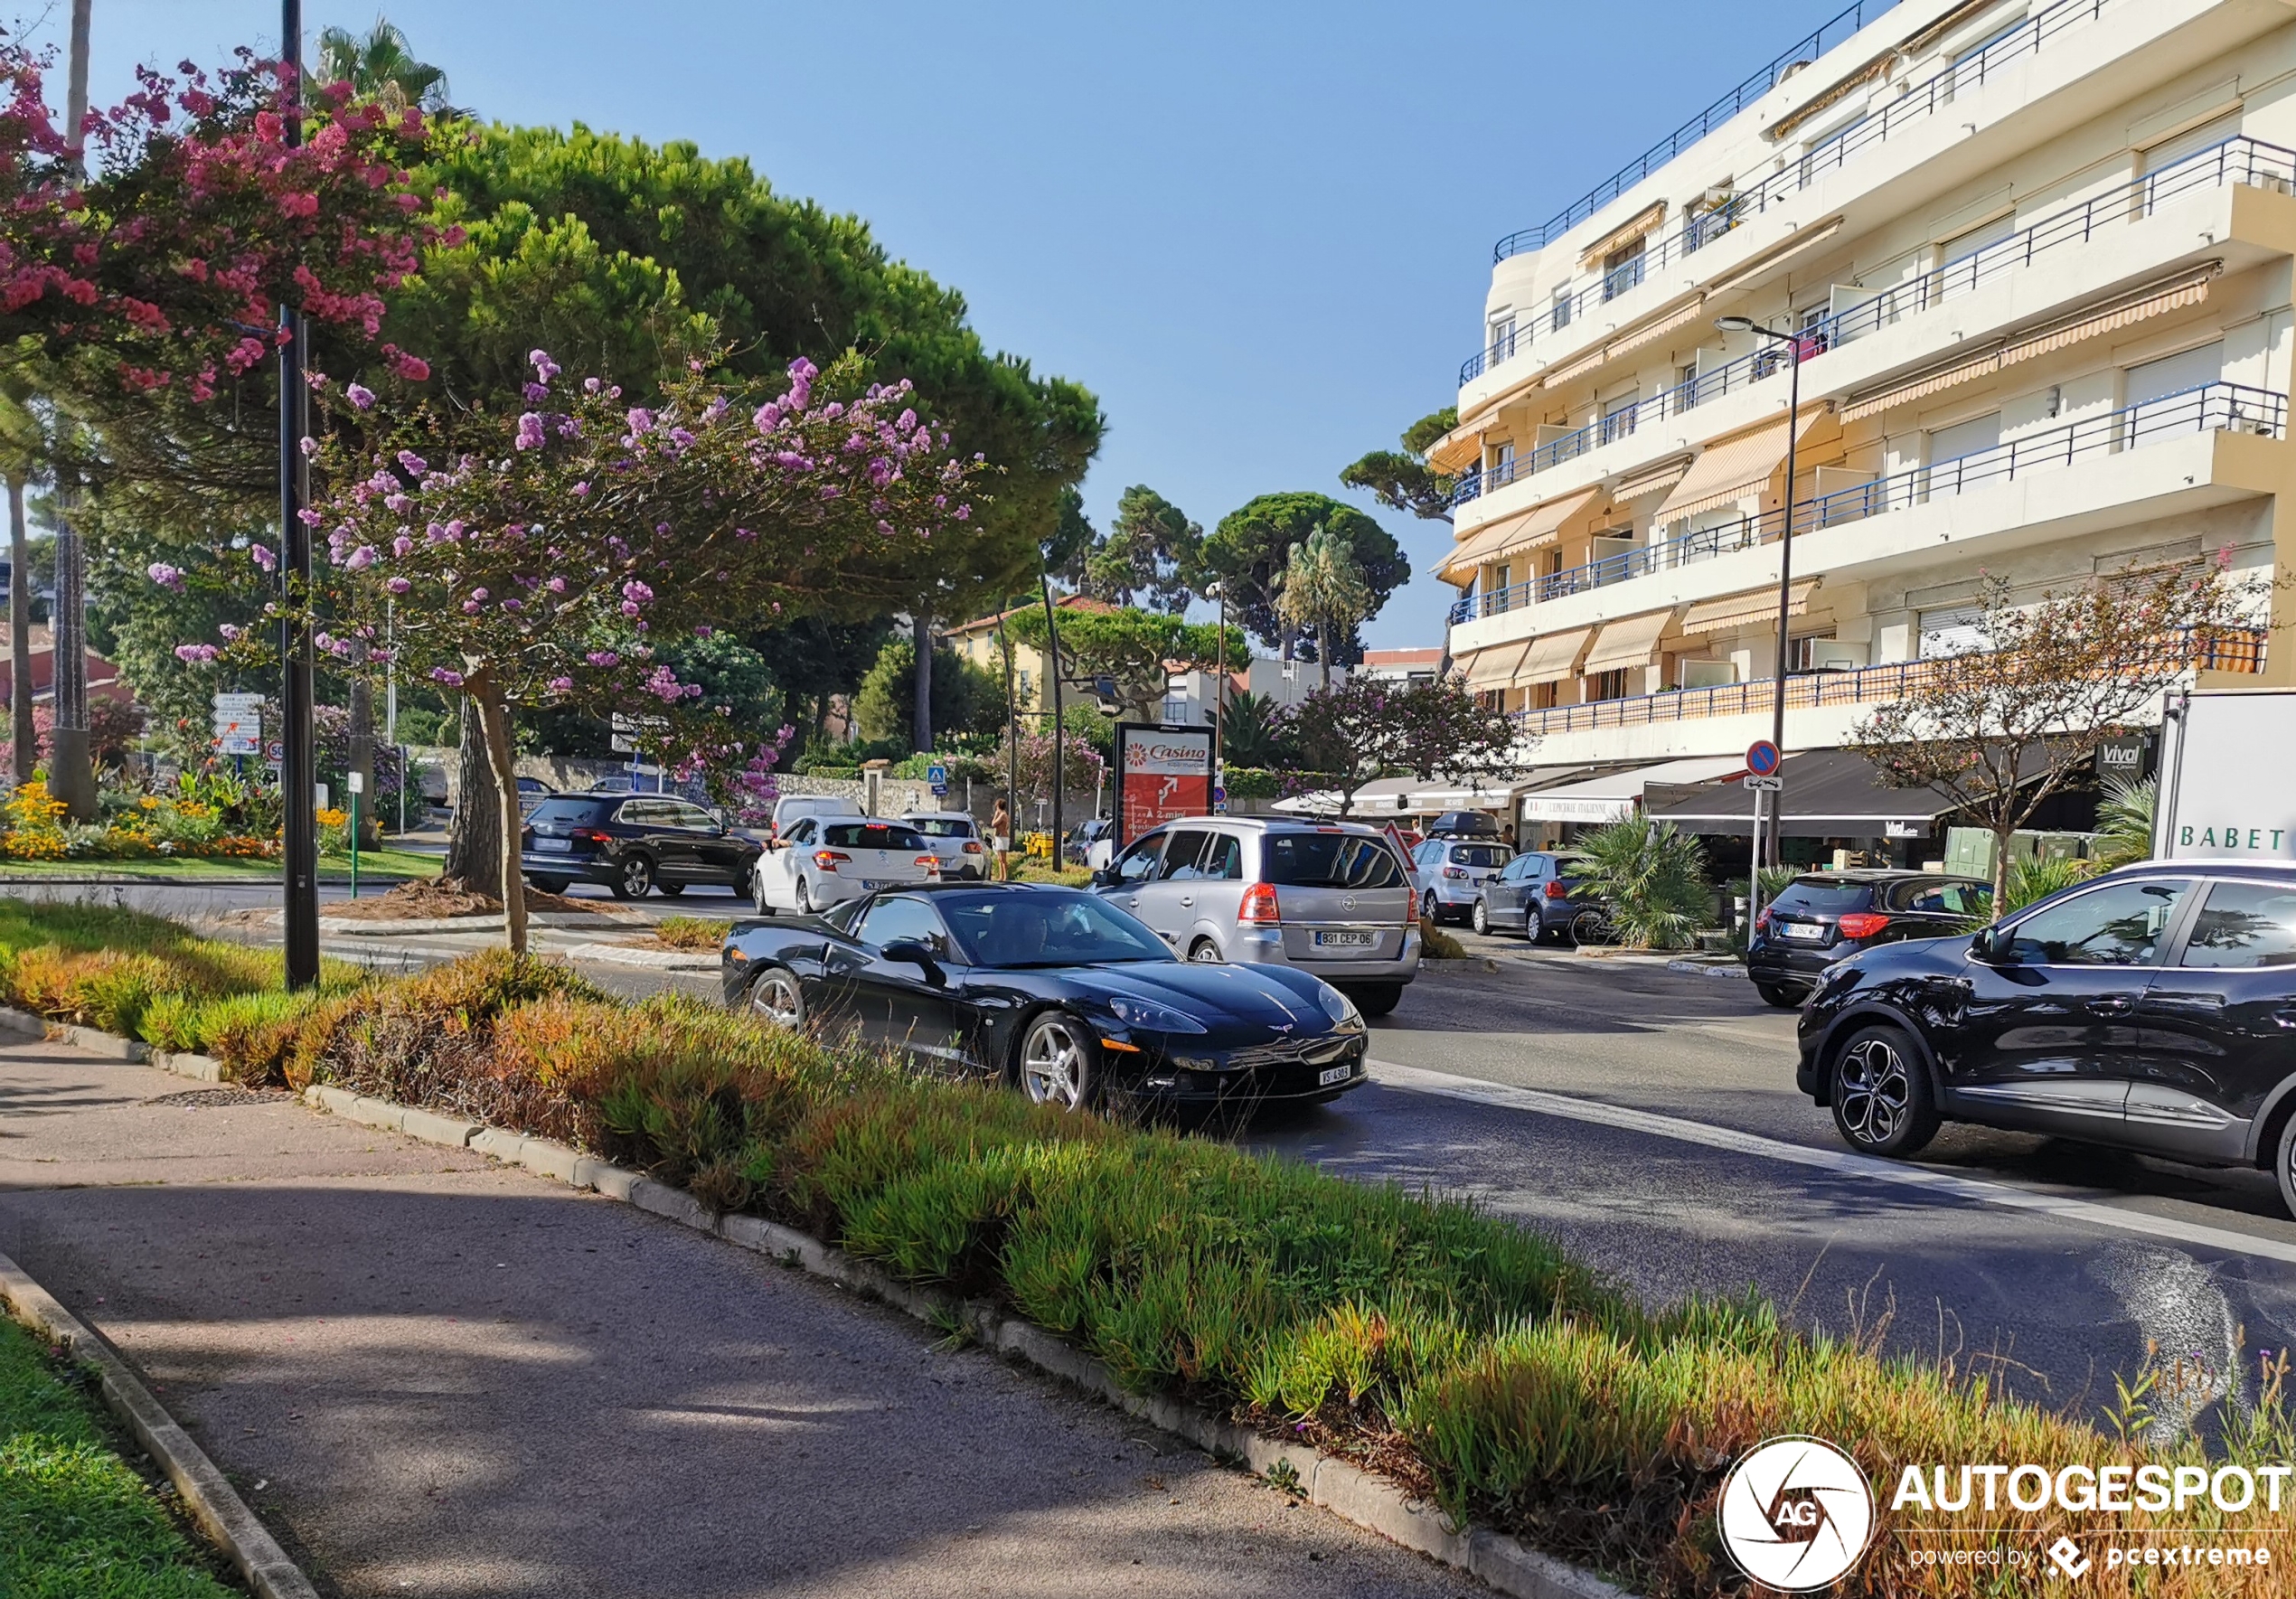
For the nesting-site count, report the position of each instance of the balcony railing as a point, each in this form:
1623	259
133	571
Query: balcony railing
2239	160
1749	200
2241	651
2209	408
1830	32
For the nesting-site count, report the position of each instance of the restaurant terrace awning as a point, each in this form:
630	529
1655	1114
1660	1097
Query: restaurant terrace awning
1828	794
1616	795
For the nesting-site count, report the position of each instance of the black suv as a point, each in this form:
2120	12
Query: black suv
1822	916
2153	1008
631	842
1464	825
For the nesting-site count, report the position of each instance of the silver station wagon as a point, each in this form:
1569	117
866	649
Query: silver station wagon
1329	899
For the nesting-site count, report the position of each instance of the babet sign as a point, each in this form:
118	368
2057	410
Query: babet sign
1161	773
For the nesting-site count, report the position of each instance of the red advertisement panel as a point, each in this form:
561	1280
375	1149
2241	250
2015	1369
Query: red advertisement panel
1162	774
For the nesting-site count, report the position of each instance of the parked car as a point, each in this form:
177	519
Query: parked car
955	838
1824	916
1329	899
1448	874
1093	843
1054	990
632	843
1464	825
825	860
1535	894
2148	1009
789	807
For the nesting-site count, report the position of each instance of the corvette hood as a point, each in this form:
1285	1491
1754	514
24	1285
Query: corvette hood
1215	995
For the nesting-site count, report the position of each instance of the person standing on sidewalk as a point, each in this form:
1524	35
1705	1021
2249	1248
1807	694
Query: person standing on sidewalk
1001	838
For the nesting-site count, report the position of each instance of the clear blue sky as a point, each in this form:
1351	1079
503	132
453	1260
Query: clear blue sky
1260	232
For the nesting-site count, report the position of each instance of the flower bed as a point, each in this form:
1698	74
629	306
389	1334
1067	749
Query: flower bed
1476	1359
191	824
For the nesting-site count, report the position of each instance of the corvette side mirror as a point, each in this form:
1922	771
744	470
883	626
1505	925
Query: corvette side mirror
910	952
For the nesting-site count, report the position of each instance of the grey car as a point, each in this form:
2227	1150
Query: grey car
1449	872
1536	895
1329	899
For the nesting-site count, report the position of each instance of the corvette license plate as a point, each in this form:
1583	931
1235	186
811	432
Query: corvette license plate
1346	940
1337	1074
1805	931
555	846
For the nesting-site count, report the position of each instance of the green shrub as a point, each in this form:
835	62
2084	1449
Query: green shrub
1651	878
2035	878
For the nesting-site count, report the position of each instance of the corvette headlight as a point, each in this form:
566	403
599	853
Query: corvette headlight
1338	1007
1148	1014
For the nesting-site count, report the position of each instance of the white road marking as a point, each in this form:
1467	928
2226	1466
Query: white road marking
1840	1162
2189	1330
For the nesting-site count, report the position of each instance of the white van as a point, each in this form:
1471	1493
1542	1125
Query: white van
790	807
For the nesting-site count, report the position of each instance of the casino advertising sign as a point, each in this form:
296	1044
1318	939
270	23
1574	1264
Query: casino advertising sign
1162	774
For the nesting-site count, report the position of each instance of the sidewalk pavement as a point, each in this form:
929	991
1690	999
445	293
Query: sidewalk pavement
435	1376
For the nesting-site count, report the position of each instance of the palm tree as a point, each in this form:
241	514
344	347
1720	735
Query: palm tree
2124	823
1651	878
382	66
1252	732
1325	591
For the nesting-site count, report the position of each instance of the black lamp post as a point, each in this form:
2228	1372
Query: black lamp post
1777	831
298	773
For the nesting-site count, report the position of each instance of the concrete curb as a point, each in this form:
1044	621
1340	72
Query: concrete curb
1338	1486
208	1495
348	927
623	954
1726	969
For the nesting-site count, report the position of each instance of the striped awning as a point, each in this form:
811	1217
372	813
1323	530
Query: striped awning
1650	480
1494	668
1755	605
1630	641
2155	299
1472	552
1543	525
1732	468
1626	344
1625	233
1553	656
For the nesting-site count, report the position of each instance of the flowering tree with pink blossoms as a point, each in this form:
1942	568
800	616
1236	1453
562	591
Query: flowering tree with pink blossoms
555	567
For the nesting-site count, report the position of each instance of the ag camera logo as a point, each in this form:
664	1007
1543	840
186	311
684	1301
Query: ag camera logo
1796	1514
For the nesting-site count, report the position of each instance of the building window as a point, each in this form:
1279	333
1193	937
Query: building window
1618	417
1498	464
1027	688
1801	653
1607	685
1501	579
1502	340
1562	306
1621	270
1175	711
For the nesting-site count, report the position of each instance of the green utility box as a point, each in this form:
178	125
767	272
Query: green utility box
1969	850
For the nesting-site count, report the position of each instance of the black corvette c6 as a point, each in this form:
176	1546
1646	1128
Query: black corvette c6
1052	988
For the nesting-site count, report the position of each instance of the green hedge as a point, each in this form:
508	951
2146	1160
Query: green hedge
1474	1357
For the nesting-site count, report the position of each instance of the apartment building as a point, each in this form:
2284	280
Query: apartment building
2038	259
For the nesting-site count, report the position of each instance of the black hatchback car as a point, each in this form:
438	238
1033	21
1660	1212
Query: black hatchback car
2153	1008
1822	916
632	843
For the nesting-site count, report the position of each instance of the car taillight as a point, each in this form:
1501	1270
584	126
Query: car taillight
1762	923
1258	908
1556	890
931	863
592	835
827	859
1455	871
972	847
1862	923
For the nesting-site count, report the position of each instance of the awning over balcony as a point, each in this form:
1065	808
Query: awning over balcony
1615	796
1755	605
1649	481
1627	232
1627	343
2173	293
1630	641
1729	469
1494	668
1511	535
1553	656
1828	794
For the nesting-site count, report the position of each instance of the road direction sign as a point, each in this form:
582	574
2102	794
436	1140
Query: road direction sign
238	724
1762	758
238	704
1770	784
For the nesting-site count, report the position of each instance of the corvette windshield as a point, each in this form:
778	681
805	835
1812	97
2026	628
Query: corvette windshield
1044	928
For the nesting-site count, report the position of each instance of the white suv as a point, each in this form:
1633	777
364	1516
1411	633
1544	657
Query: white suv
955	838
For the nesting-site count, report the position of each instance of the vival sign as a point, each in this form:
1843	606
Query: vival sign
1162	774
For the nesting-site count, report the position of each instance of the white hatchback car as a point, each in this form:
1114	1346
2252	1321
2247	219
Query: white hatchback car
955	838
824	860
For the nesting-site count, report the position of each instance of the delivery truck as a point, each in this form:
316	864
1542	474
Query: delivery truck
2227	776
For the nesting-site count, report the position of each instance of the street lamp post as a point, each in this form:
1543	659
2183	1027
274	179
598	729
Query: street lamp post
299	774
1777	830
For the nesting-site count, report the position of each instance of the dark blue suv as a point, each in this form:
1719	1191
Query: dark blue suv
2153	1008
632	843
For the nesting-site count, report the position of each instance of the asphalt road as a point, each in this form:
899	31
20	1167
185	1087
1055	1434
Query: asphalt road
1649	1118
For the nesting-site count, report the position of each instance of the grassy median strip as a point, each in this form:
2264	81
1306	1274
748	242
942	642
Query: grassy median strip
1477	1360
76	1522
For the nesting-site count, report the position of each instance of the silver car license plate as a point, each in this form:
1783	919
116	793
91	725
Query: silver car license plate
1337	1074
868	883
1346	940
555	846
